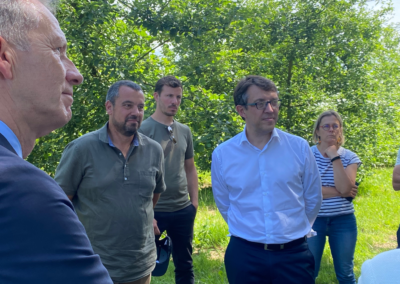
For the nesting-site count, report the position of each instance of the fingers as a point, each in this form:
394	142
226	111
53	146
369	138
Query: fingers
155	227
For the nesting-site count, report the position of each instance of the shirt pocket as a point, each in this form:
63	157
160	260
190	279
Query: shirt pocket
147	183
146	189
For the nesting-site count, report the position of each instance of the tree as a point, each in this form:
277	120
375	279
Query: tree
321	54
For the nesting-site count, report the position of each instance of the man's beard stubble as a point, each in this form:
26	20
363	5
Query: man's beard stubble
124	129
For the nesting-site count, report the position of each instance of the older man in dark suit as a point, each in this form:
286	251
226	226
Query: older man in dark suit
41	238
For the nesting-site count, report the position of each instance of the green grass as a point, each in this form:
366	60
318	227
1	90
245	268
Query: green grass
378	216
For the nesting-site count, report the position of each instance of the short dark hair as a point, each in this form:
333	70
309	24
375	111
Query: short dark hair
240	93
169	81
113	91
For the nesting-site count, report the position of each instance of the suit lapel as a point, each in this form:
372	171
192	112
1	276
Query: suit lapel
4	142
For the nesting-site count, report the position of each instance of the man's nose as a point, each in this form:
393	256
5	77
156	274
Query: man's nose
268	108
73	76
135	111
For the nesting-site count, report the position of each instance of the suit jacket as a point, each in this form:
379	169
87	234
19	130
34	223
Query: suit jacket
41	239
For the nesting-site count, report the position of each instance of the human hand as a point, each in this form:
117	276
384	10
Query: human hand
331	151
195	204
353	192
155	227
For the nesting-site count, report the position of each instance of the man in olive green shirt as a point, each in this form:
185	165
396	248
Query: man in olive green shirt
174	212
114	177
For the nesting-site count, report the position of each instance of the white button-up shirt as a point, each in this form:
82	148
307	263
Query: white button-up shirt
269	196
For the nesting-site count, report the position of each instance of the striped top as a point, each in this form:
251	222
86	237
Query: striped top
334	206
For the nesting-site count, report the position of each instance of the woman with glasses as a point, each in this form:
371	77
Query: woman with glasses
338	169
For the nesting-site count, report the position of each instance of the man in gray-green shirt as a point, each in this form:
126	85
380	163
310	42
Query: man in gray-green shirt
114	177
174	212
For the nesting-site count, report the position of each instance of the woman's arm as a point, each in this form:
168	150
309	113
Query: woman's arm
328	192
345	179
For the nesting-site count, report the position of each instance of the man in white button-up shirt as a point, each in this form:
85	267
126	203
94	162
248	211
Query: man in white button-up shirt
267	188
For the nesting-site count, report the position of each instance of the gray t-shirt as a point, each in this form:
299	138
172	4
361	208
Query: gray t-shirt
113	199
176	196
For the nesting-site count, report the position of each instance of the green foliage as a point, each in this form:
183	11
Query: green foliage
321	54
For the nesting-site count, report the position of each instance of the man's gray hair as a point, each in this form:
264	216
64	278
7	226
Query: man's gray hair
113	91
18	17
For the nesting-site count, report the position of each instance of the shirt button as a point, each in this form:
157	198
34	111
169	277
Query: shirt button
120	154
126	178
125	166
268	235
264	193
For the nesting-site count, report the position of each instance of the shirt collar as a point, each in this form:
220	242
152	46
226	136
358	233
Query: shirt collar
11	138
104	137
275	135
135	141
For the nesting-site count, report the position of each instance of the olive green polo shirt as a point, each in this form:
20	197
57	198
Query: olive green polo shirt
176	196
113	199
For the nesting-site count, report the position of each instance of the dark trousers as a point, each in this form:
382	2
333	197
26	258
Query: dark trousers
179	227
247	263
398	237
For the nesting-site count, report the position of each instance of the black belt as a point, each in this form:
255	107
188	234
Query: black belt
275	246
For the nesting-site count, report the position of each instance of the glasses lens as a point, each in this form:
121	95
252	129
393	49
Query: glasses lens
275	103
260	105
326	127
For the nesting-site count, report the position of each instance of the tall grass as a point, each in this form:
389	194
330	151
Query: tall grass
378	216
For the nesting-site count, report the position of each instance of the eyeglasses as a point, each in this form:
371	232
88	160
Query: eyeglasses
171	135
327	127
263	105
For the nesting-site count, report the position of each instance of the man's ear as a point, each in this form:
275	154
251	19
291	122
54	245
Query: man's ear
5	60
240	110
109	107
156	96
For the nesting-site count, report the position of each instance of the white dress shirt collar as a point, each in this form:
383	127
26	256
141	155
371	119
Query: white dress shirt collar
243	138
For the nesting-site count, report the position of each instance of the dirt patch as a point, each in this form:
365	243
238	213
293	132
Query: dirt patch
386	246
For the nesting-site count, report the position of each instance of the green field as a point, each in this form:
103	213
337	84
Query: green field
377	211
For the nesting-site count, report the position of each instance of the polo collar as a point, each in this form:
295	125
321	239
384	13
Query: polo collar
104	137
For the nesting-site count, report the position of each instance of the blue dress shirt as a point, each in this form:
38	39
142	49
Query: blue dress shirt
11	138
269	196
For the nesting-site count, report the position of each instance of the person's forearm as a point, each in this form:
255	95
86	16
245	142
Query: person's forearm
193	187
342	181
156	196
328	192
